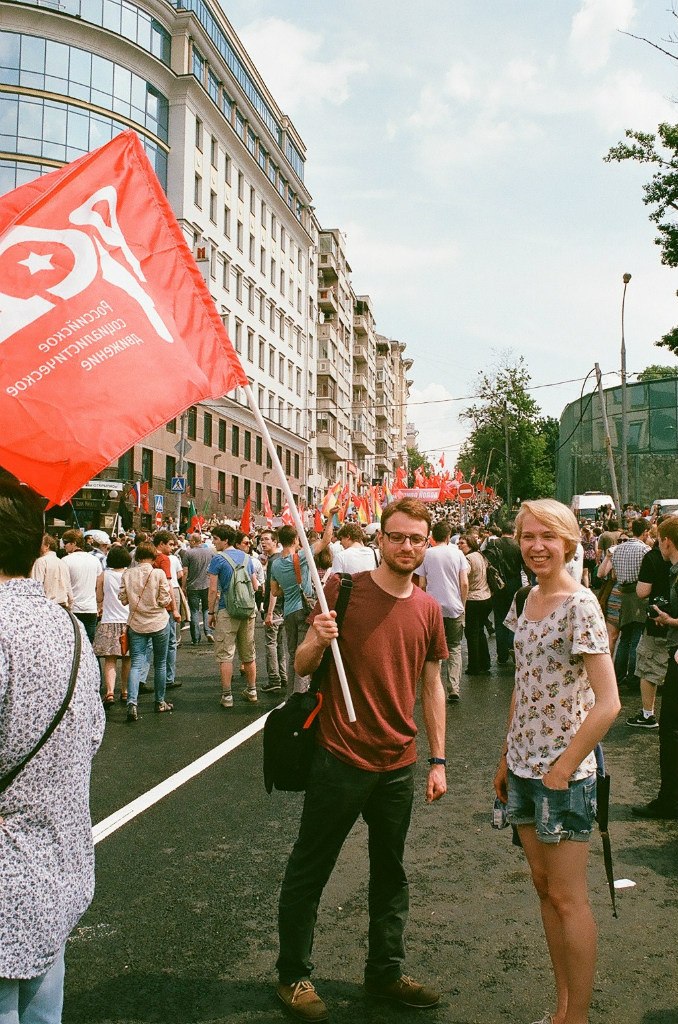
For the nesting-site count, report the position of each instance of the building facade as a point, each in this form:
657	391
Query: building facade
652	442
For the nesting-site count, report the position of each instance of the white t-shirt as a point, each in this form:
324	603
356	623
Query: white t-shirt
442	568
357	558
552	692
176	567
83	568
113	610
575	566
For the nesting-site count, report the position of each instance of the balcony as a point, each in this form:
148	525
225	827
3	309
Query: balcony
328	333
325	368
360	324
362	443
360	381
327	301
328	445
329	266
326	405
359	353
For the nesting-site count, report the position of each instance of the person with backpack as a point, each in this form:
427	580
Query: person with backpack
232	609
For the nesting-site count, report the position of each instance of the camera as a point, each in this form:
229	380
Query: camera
662	605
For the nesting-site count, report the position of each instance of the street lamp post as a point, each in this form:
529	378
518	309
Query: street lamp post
624	413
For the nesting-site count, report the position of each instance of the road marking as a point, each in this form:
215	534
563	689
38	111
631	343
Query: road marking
119	818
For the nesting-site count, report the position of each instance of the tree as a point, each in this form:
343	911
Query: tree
658	372
660	193
505	408
415	460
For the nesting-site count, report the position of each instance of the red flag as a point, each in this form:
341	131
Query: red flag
286	515
143	493
318	522
268	511
246	518
98	293
441	460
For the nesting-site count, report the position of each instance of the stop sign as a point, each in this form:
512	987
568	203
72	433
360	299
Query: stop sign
158	518
466	491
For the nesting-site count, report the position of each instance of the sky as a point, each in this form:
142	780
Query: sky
458	145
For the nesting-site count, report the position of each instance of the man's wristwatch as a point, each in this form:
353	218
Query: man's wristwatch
437	760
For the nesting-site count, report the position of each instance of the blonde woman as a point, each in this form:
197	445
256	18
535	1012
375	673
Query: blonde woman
564	701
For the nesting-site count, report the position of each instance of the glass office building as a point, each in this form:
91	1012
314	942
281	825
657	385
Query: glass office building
652	442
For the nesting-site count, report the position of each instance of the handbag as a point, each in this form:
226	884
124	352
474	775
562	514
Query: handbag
494	579
11	775
124	641
307	603
289	732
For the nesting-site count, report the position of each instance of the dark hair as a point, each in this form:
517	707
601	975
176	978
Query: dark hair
409	507
74	537
471	541
162	537
353	531
226	533
273	534
286	535
639	527
240	536
441	531
144	551
21	528
118	557
323	558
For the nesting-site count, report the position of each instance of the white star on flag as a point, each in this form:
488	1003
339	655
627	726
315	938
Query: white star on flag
36	263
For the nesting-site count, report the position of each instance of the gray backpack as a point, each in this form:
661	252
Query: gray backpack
240	603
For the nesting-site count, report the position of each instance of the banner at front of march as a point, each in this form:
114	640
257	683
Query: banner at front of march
107	329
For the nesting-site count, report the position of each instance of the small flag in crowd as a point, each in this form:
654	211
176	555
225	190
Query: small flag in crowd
246	518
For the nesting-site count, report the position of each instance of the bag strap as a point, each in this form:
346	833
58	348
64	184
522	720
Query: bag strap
297	573
132	614
9	778
521	598
340	606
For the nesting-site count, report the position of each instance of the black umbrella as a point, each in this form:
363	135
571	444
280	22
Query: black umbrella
603	797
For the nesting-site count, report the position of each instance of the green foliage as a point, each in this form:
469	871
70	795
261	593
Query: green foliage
658	372
660	193
414	460
505	405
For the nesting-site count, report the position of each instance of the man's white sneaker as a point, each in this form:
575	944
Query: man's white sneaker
227	700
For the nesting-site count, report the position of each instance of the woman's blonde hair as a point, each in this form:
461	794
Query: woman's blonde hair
557	517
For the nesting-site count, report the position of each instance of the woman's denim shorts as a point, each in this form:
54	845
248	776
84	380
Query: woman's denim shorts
555	813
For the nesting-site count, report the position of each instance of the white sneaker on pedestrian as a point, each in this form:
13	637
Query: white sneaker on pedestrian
227	700
250	696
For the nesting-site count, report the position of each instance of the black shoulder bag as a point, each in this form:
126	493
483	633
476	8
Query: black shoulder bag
289	732
9	778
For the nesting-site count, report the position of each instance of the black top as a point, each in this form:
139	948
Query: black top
655	570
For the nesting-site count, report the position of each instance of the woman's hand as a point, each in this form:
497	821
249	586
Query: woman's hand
555	778
501	780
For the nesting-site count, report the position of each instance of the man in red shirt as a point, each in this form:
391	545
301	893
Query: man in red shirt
392	635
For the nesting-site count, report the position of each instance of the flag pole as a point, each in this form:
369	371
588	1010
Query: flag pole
320	593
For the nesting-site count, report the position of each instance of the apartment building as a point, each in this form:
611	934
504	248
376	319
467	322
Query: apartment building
363	409
392	392
75	73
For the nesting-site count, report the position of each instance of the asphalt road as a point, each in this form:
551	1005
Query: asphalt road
182	929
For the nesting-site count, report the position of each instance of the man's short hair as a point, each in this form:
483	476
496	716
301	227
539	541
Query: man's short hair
273	534
286	535
409	507
21	528
226	533
639	527
240	536
195	538
441	531
612	525
353	531
668	529
162	537
74	537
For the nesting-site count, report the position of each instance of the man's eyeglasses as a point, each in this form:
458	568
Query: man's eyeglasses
417	540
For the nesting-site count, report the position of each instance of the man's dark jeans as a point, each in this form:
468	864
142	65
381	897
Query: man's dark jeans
336	795
668	737
625	656
501	603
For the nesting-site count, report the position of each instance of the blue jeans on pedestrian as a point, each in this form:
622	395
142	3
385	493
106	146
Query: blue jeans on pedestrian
34	1000
336	795
197	602
138	644
625	655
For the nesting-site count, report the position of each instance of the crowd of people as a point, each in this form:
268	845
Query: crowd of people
533	596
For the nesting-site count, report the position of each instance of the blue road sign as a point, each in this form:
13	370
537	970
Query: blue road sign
159	501
178	484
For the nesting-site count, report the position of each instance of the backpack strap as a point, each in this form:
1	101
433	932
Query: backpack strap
345	587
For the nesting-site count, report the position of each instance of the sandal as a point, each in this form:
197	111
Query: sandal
108	700
162	705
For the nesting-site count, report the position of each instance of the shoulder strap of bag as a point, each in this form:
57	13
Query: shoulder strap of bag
132	614
521	598
9	778
345	588
297	567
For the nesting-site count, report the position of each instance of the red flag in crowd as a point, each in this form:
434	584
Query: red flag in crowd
246	518
268	511
99	293
286	515
318	522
